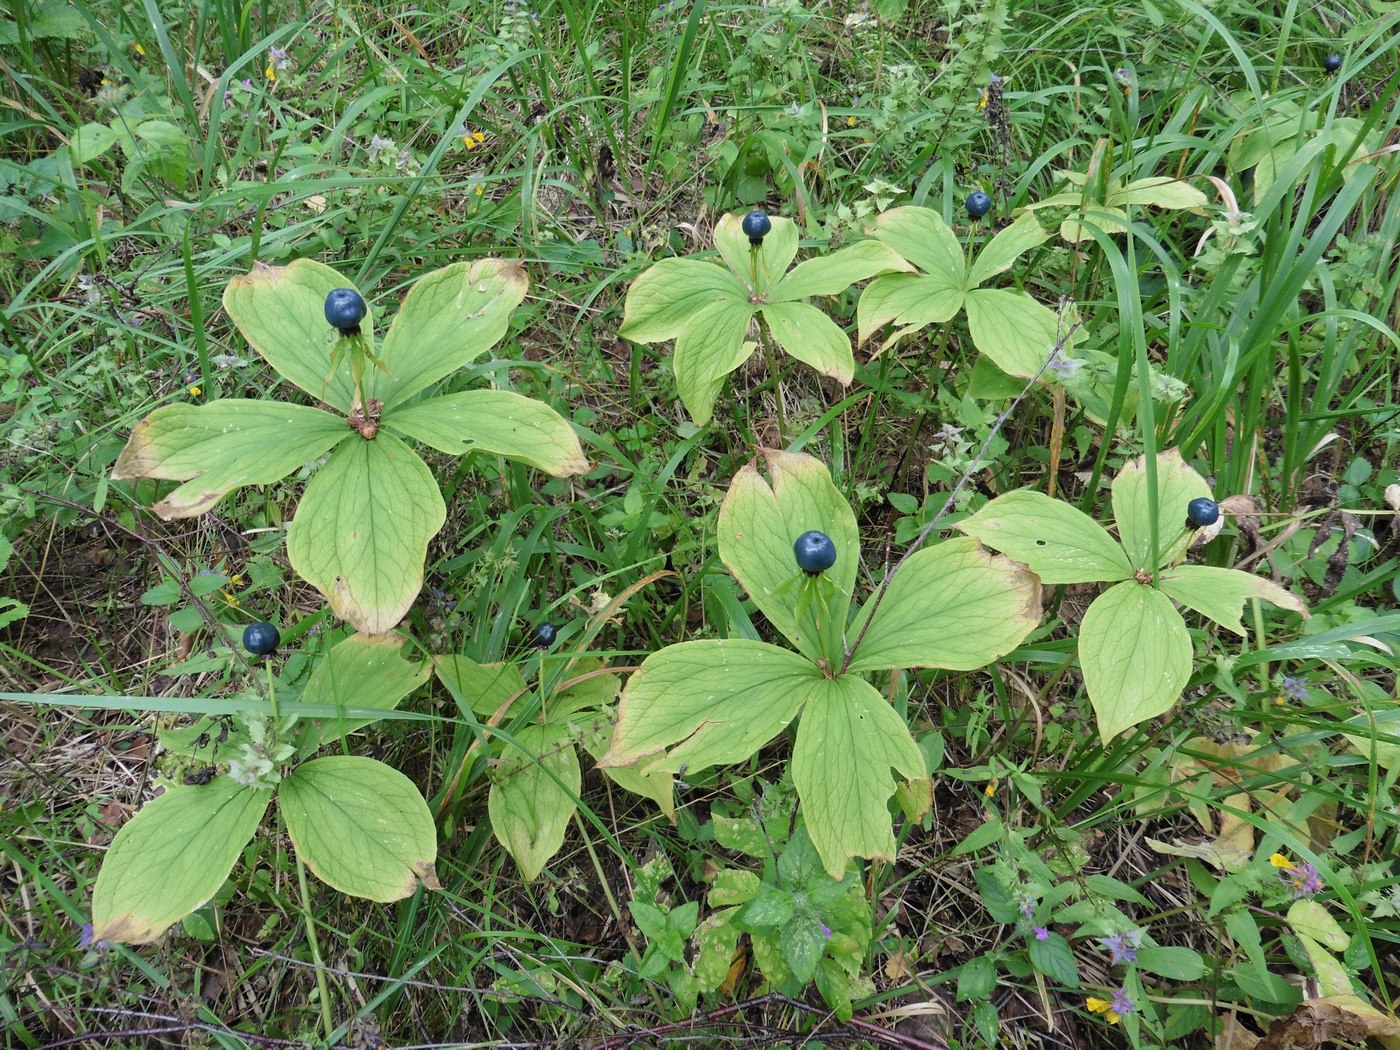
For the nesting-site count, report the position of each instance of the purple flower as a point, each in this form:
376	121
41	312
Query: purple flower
1295	688
1302	878
1028	907
86	942
1122	947
1041	933
1121	1004
826	930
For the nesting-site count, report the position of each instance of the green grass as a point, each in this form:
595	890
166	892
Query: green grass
614	135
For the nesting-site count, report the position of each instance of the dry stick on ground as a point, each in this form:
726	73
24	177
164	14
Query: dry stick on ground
953	496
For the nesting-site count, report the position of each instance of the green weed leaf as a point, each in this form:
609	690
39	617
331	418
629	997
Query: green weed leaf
1014	330
362	529
699	704
1060	543
813	338
359	671
223	445
281	312
449	318
171	857
955	605
1136	656
850	745
529	808
360	826
498	422
833	274
1220	594
1005	248
1177	485
758	525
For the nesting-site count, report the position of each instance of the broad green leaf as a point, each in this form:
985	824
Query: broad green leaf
1173	963
803	943
1005	248
89	142
449	318
1060	543
1312	919
1333	979
1014	330
955	605
529	808
850	745
1220	594
1103	217
223	445
1177	485
711	347
716	940
359	671
922	237
704	703
656	784
832	274
813	338
758	526
172	857
663	300
762	269
484	688
360	826
1161	191
281	312
499	422
1055	958
362	529
908	300
1136	656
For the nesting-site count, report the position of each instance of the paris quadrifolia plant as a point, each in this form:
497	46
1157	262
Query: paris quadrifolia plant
359	825
1134	648
707	306
362	527
697	704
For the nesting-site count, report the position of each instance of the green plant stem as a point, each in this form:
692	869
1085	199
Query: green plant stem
322	985
772	361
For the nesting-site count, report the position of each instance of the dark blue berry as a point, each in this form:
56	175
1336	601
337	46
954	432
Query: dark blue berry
756	226
1332	63
261	638
978	204
815	552
1201	512
545	634
345	309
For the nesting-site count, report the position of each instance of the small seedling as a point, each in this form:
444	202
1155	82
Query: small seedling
978	204
1202	512
756	226
545	634
1332	63
345	309
815	552
261	638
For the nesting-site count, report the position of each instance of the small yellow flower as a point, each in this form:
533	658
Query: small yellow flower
195	391
1102	1006
1278	860
983	104
230	598
473	139
236	580
141	51
991	788
850	122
